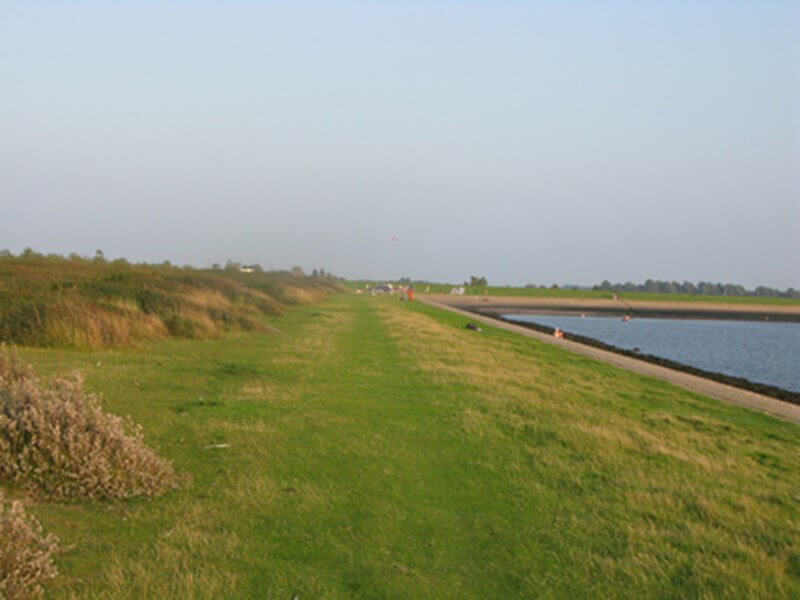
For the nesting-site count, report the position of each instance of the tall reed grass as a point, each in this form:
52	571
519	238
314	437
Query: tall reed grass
83	303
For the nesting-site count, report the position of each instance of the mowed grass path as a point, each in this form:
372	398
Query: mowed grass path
379	449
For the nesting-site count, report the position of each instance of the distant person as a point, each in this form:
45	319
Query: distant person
558	334
411	293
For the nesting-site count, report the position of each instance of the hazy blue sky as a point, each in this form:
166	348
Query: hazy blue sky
523	141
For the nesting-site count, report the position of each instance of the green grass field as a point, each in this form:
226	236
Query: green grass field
377	449
544	292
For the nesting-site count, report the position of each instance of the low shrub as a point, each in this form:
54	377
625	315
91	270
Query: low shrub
26	554
57	441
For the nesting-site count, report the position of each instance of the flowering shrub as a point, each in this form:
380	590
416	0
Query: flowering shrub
57	441
26	556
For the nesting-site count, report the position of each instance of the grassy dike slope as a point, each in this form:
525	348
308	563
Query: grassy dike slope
378	449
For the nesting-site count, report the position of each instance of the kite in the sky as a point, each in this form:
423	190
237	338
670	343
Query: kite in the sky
393	238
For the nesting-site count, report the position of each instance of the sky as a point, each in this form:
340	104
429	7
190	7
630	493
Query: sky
528	142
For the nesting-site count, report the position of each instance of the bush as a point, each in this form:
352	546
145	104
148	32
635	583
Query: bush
57	441
180	326
26	555
86	303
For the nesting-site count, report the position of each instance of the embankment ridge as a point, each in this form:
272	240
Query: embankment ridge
643	308
784	406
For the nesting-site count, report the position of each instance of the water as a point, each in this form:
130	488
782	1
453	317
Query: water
759	351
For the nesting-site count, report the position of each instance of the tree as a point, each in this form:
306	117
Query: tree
297	271
732	289
474	280
703	287
763	290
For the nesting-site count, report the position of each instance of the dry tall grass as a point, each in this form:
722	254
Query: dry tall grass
75	302
57	441
26	555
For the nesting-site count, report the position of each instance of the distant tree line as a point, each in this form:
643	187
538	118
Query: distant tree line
704	288
297	271
323	273
100	258
475	280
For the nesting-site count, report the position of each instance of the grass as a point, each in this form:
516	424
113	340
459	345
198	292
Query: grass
56	301
377	449
545	292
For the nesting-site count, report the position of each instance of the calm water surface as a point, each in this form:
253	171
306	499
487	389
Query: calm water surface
759	351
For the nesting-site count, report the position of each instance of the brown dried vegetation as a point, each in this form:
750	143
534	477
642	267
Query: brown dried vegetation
56	441
26	555
81	303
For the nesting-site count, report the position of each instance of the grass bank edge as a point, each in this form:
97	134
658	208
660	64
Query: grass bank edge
735	414
76	302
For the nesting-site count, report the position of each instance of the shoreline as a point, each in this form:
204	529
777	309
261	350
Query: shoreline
739	382
497	305
694	380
